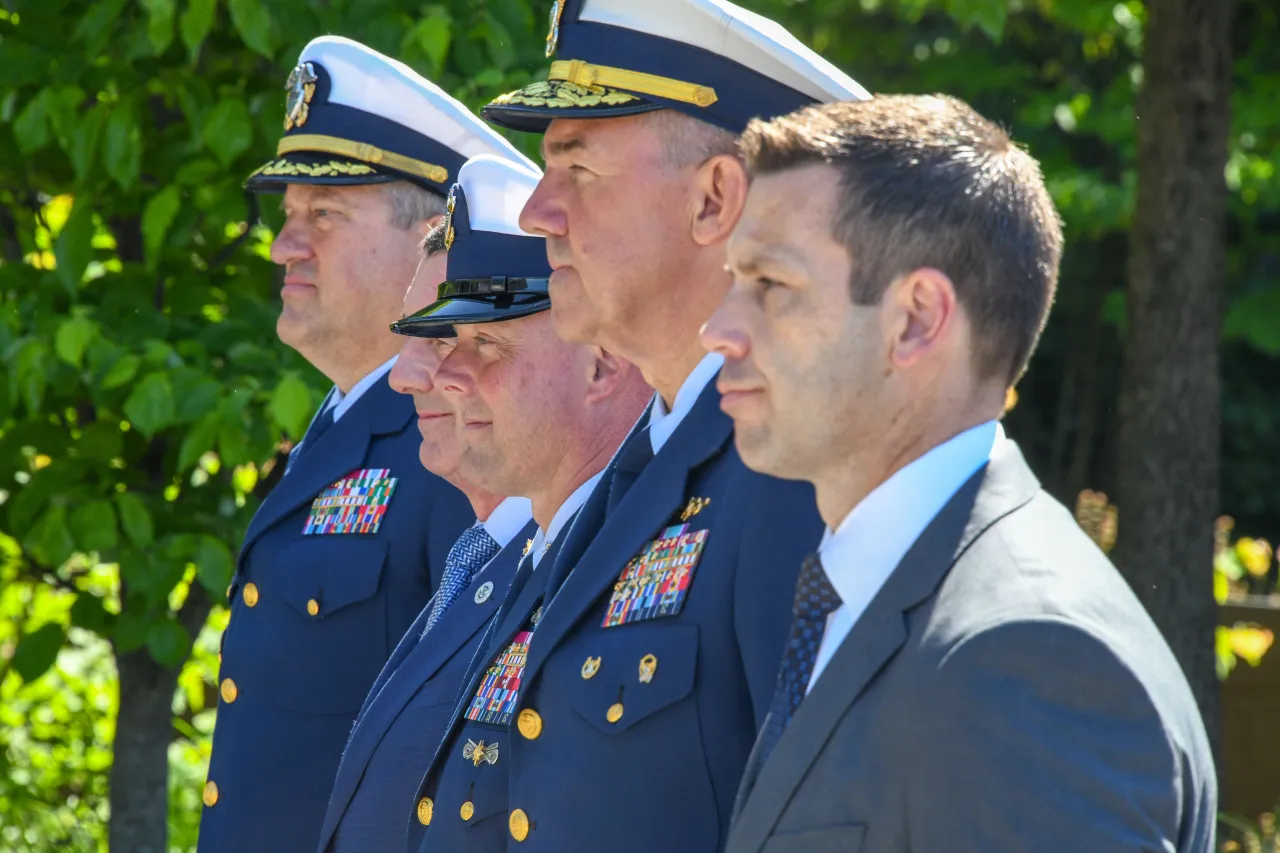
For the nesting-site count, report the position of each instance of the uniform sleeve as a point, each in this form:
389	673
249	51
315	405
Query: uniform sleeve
780	526
1034	736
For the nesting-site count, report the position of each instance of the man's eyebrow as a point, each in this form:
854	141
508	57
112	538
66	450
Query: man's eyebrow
561	146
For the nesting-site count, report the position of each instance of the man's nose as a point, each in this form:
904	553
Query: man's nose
290	245
542	213
725	333
412	371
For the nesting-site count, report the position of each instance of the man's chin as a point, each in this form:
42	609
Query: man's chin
573	325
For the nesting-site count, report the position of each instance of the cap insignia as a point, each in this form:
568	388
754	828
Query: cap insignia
562	95
448	219
301	87
553	34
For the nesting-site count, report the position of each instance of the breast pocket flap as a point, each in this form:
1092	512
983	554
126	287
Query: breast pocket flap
325	574
630	673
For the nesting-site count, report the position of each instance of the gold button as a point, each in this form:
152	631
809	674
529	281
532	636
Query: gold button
229	691
425	808
519	825
467	810
313	607
229	588
250	594
529	723
614	713
210	793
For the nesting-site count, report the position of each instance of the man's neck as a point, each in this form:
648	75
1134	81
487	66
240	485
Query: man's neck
346	374
483	503
668	370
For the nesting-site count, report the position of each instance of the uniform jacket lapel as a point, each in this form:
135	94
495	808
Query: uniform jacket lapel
341	450
656	496
994	491
420	660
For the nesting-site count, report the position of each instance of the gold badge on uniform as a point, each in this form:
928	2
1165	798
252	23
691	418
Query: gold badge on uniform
449	206
478	753
301	86
590	667
693	507
648	666
553	33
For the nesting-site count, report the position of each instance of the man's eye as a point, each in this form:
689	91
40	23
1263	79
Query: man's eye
767	283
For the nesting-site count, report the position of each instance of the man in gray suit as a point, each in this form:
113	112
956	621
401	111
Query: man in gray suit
965	670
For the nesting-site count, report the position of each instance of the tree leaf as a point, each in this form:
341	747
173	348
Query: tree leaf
291	405
135	519
31	127
228	131
100	441
253	22
169	643
122	148
96	24
214	564
74	247
84	140
38	650
433	34
150	406
122	370
157	216
198	441
93	525
196	23
27	374
89	612
49	539
132	628
74	334
988	15
160	24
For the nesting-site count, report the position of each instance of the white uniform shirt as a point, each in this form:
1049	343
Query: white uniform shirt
340	402
507	519
543	539
663	423
877	533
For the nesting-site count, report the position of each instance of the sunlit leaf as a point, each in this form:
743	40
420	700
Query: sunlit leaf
74	334
291	405
157	216
74	247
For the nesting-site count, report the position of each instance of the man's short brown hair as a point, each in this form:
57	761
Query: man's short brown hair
927	182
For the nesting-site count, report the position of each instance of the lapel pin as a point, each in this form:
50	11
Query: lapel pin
693	507
648	666
478	753
483	593
590	667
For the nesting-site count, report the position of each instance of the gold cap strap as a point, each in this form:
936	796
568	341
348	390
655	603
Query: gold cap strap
586	74
361	151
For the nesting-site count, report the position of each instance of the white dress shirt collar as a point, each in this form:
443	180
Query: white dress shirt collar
542	540
663	423
507	519
340	402
861	554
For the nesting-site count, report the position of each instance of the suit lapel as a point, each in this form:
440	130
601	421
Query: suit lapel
341	450
419	662
654	498
997	489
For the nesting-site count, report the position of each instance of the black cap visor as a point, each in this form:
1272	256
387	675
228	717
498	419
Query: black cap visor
476	301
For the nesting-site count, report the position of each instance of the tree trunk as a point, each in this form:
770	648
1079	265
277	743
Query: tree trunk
1169	444
140	770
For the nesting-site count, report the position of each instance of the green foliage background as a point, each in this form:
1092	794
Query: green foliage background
144	400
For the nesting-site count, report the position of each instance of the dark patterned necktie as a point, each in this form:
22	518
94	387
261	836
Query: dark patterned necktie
474	548
815	599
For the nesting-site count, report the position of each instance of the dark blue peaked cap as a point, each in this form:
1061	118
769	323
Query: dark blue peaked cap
495	271
708	59
354	116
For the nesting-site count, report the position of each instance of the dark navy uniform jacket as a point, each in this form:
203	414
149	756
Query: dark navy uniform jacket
407	712
315	616
647	674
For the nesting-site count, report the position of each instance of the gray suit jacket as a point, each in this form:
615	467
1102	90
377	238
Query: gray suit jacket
1005	691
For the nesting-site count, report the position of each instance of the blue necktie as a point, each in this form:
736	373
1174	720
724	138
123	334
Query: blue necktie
474	548
318	427
815	599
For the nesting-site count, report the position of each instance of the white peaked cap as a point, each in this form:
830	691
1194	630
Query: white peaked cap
496	190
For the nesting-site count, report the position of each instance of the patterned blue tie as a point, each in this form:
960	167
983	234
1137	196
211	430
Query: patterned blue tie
815	599
474	548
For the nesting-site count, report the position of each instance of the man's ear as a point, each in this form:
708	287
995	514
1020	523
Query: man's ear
425	226
722	186
922	315
606	372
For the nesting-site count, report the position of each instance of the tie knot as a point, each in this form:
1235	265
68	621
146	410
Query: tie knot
815	596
